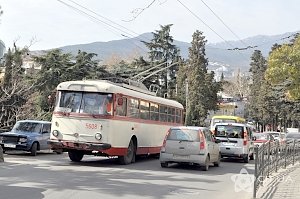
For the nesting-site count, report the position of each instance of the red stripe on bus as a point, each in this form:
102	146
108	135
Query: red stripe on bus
123	151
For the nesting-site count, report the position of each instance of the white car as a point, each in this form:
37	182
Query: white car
236	140
190	144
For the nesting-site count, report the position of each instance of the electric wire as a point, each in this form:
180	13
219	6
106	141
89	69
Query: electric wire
98	21
220	19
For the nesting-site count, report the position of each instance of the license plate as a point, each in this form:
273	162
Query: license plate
10	145
228	143
180	156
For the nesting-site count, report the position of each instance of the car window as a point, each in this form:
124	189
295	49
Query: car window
28	127
261	136
229	131
46	128
293	135
208	136
184	134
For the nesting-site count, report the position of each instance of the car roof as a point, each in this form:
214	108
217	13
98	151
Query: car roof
189	127
230	124
35	121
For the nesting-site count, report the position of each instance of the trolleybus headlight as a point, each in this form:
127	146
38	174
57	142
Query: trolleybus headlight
98	136
55	133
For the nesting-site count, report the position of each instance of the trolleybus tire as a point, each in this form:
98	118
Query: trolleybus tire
130	156
75	156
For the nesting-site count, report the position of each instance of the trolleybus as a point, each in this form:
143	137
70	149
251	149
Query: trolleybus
99	117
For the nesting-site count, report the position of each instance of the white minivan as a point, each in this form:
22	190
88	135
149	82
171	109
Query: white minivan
236	140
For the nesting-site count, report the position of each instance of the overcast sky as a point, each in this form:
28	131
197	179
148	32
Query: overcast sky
54	24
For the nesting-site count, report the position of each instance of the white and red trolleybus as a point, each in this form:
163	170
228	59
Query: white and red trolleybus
99	117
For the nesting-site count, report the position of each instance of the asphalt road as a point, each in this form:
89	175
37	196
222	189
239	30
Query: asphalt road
53	176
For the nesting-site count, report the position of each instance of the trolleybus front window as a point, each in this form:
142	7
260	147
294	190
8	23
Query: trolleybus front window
90	103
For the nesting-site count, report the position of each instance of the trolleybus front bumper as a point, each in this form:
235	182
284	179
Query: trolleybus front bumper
59	144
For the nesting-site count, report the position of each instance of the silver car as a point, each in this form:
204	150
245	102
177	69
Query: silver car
190	144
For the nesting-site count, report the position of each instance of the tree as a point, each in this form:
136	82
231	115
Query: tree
238	86
284	62
202	89
163	51
15	88
258	89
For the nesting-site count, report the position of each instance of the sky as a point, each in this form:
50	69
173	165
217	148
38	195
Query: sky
46	24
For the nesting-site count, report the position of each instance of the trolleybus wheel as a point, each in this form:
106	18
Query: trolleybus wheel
75	156
130	156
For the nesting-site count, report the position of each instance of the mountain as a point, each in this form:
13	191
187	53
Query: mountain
221	54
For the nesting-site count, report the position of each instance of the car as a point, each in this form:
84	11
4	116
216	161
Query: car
192	145
277	136
261	138
293	135
27	135
236	140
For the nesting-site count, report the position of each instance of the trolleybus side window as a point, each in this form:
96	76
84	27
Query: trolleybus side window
163	110
144	110
178	116
121	109
171	114
154	114
133	108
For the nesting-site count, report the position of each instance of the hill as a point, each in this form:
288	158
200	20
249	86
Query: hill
217	53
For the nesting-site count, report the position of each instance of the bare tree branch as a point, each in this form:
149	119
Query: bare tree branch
138	11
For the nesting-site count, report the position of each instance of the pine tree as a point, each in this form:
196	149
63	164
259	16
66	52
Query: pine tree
258	88
202	89
162	50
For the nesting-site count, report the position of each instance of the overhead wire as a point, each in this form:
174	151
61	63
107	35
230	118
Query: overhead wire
220	19
97	14
111	28
140	12
196	16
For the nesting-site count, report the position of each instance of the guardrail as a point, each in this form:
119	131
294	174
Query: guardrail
272	156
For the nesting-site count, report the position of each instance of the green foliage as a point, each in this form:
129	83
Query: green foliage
161	50
257	91
284	62
202	89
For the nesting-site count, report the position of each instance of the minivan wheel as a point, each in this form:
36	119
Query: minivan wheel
252	156
33	150
246	158
206	166
164	164
217	164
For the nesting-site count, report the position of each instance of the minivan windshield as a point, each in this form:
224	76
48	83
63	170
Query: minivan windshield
229	131
28	127
184	135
